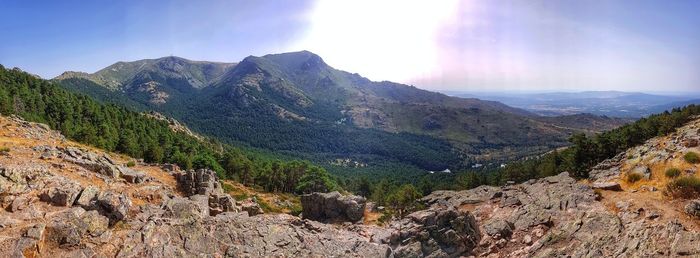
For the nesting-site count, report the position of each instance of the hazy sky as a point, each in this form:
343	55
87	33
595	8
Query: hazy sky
446	44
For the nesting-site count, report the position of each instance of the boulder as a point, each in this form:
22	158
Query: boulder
88	197
333	207
437	232
690	143
132	176
201	181
185	209
251	206
498	228
693	208
610	186
61	192
113	205
642	170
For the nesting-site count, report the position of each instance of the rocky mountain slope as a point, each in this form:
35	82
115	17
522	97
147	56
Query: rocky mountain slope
60	198
280	95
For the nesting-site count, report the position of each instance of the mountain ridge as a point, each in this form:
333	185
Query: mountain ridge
282	95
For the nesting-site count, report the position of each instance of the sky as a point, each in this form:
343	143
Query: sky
458	45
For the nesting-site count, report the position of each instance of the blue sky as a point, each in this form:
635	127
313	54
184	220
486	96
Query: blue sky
632	45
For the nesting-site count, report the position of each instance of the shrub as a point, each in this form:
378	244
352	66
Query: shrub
131	163
634	177
684	187
673	172
691	157
4	150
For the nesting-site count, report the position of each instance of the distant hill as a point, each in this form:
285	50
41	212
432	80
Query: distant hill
296	103
605	103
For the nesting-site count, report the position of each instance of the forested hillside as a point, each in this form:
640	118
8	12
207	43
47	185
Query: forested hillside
585	151
116	128
296	104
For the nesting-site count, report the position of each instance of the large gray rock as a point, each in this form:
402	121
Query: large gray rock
333	207
61	192
693	208
201	181
113	205
437	232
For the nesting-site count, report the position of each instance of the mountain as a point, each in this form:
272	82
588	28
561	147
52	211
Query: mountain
296	103
606	103
155	80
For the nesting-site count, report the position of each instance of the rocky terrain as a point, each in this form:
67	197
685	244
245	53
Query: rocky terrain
63	199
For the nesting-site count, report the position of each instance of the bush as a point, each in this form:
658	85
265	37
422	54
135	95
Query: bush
634	177
4	150
131	163
684	187
673	172
691	157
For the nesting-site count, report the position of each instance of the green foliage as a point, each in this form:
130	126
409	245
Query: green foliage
116	128
634	177
684	187
691	157
131	163
315	179
586	151
404	199
4	150
673	172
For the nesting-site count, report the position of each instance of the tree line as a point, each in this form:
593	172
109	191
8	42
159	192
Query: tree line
119	129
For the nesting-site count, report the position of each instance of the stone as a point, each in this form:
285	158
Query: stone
642	170
185	209
693	208
36	231
201	181
88	197
527	239
609	186
498	228
61	192
113	205
252	207
19	203
690	143
132	176
333	207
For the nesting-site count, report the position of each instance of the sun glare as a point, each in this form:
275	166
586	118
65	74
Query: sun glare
383	40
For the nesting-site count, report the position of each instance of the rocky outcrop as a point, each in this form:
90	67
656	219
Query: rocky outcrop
201	181
440	231
333	207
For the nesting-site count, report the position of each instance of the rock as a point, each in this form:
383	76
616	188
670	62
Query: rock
642	170
252	207
95	224
88	197
690	143
171	168
36	231
132	176
61	192
185	209
222	203
201	181
527	239
610	186
113	205
19	203
441	231
693	208
498	228
332	207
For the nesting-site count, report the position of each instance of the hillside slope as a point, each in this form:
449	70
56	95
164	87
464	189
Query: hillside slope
295	102
61	200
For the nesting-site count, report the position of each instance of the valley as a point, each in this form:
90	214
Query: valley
295	104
